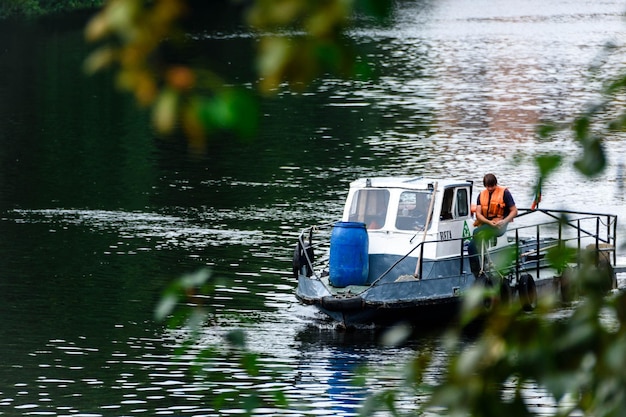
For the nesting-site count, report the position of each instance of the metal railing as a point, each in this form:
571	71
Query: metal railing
572	229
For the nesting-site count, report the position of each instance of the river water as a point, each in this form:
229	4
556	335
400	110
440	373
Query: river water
98	215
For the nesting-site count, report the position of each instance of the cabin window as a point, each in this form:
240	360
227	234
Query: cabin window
370	207
412	210
454	207
446	206
462	206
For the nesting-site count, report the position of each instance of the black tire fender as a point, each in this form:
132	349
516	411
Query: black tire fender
296	265
567	285
527	291
300	259
607	272
505	291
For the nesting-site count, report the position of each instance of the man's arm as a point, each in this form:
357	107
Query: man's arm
481	218
512	213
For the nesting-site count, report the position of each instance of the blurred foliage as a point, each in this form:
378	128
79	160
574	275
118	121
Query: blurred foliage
579	360
298	41
302	39
185	306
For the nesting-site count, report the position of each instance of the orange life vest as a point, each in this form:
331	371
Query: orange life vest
492	206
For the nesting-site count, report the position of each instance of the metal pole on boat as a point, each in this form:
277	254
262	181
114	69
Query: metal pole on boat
597	240
561	244
614	238
538	253
517	255
462	256
418	267
578	228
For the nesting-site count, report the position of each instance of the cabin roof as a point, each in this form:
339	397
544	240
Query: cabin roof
415	183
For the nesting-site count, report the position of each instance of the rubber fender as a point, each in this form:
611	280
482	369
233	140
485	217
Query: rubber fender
569	290
527	291
607	272
300	259
484	280
505	291
296	260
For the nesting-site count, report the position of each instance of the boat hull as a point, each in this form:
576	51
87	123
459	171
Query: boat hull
420	302
407	299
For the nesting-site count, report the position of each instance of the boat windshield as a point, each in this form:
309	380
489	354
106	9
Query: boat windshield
370	207
413	210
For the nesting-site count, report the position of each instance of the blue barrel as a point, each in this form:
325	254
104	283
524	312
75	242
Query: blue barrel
348	254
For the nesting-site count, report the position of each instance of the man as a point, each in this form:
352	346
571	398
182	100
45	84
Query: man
495	209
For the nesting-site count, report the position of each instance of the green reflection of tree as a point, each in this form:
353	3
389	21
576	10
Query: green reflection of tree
36	8
298	40
580	360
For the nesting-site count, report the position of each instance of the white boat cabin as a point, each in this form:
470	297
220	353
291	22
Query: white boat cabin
396	214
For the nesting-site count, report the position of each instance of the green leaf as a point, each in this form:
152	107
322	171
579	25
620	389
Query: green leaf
547	164
230	110
546	129
249	362
581	128
593	160
396	335
618	124
236	338
560	256
165	111
280	399
250	403
165	306
195	279
616	85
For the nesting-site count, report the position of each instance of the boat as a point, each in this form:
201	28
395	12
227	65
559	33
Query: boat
400	253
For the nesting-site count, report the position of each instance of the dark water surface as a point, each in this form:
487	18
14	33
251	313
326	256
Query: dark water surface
97	215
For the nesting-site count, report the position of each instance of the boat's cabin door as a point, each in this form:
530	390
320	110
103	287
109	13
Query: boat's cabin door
455	220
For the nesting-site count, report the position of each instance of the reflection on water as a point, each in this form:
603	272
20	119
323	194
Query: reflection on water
98	216
159	232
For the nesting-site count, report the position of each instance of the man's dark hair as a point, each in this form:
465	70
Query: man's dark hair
490	180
